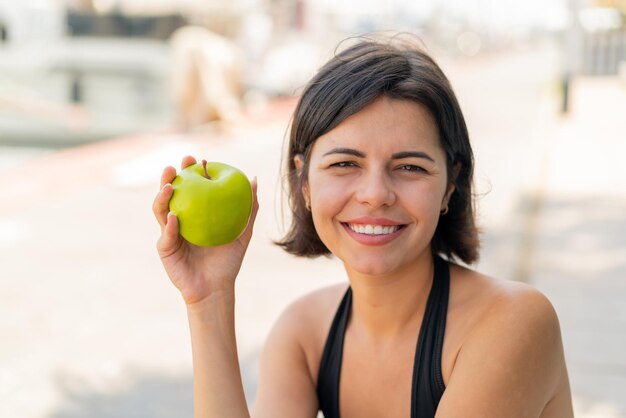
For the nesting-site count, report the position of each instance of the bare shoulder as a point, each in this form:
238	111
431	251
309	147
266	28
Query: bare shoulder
288	363
513	341
504	302
308	319
313	310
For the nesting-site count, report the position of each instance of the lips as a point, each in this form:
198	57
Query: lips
373	231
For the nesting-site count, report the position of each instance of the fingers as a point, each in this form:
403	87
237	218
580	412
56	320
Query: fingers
187	161
170	240
160	207
168	175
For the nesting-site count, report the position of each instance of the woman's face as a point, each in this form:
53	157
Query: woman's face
376	185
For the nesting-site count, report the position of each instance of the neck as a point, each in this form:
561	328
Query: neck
385	307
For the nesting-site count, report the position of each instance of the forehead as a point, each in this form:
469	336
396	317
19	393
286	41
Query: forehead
385	126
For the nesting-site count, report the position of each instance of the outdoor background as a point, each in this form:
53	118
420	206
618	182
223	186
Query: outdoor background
97	96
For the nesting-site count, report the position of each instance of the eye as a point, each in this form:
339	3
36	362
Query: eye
412	168
344	164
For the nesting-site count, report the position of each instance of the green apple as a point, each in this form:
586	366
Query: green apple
213	203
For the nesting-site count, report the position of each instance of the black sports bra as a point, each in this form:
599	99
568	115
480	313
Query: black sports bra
427	387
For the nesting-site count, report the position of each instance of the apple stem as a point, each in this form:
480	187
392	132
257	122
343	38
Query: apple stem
205	172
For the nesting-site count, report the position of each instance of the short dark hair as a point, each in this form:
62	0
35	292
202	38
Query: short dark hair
398	68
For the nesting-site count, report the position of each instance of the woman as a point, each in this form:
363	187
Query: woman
380	173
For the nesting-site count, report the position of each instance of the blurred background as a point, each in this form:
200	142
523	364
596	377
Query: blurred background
97	96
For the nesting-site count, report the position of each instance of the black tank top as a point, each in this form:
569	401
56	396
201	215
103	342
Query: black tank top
427	386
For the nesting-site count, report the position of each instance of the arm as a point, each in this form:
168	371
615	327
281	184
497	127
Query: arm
205	277
218	388
286	387
512	364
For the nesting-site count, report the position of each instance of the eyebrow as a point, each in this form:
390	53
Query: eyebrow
396	156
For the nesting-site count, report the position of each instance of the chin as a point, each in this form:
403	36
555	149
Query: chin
384	263
372	266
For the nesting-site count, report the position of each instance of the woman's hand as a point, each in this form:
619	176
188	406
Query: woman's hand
197	272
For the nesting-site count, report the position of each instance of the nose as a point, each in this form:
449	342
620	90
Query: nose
376	190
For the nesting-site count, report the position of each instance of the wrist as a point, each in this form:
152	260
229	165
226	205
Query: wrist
218	299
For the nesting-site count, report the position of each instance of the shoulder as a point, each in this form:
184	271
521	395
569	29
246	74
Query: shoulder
513	343
307	321
289	360
494	303
311	311
309	305
514	307
523	323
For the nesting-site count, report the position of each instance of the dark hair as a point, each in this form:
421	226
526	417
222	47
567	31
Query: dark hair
399	69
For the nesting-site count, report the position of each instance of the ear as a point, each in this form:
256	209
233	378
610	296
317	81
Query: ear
298	162
451	187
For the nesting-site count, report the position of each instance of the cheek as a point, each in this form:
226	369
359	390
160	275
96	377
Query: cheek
327	192
424	197
329	197
327	203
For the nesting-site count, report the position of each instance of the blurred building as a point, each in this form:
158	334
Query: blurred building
74	71
29	21
603	31
114	58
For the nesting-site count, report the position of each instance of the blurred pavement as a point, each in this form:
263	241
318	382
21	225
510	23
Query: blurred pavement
91	326
579	259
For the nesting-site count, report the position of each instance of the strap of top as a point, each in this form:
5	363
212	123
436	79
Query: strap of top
427	387
330	366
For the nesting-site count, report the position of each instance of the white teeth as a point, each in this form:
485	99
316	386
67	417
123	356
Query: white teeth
373	229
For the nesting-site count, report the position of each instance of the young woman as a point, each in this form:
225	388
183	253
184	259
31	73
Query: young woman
380	174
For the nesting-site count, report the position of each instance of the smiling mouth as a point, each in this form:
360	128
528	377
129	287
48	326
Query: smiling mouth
373	229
